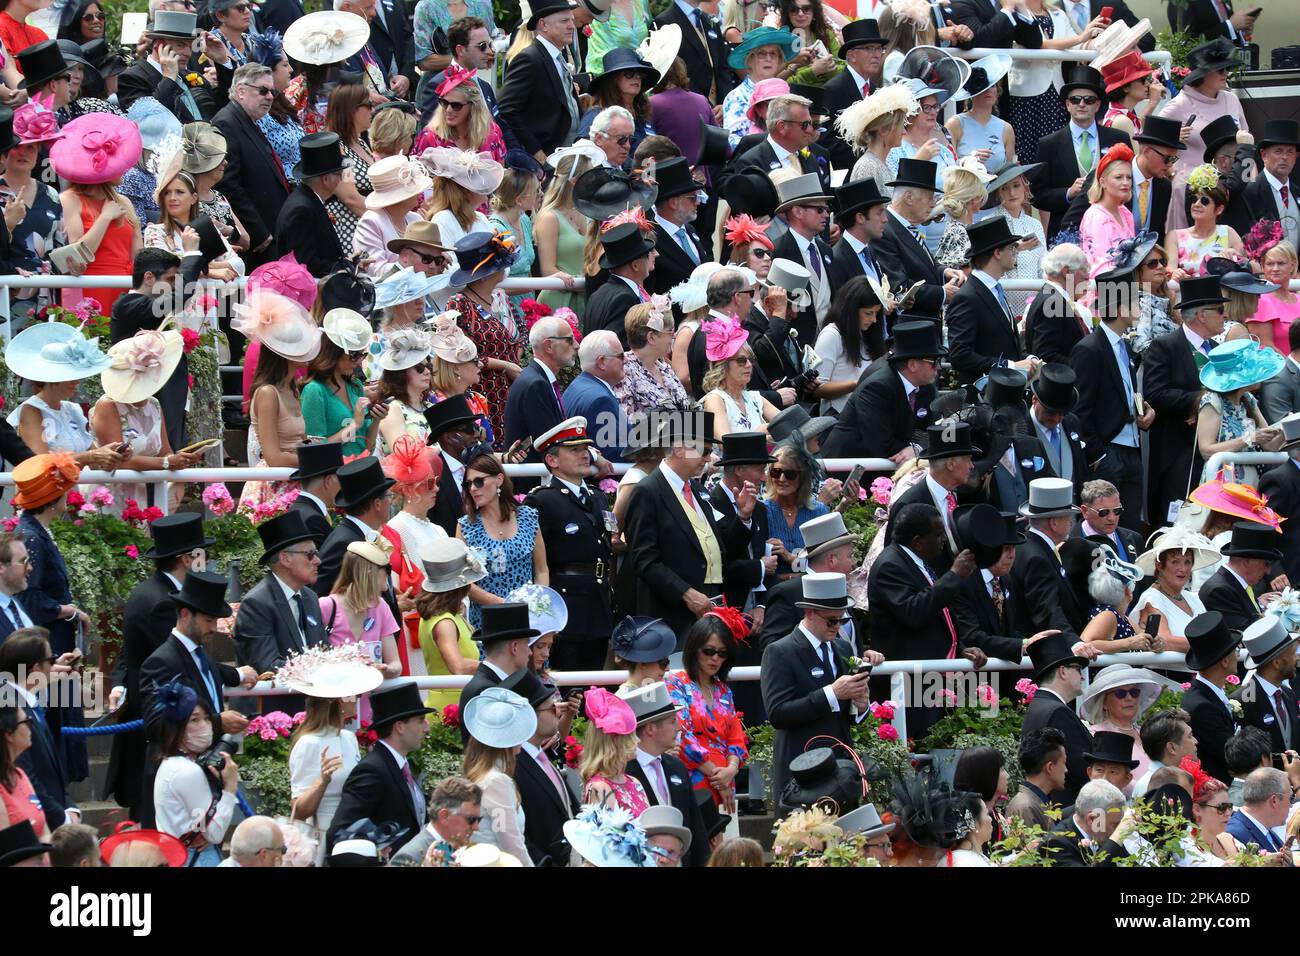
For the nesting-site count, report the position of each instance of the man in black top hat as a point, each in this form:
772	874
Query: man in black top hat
1068	155
575	524
744	465
1236	589
1272	194
982	330
1212	653
547	799
1171	384
901	251
280	615
1051	418
45	72
504	635
1014	456
539	98
997	24
950	454
862	217
863	51
629	257
1111	758
1235	161
317	468
148	619
364	498
382	787
303	226
680	247
254	179
453	427
164	73
1058	672
892	403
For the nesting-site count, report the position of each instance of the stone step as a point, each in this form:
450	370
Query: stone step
103	815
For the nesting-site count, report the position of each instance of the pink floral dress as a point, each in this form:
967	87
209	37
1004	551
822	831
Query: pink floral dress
628	795
707	732
494	144
1099	231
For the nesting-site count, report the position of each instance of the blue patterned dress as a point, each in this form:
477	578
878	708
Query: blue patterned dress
792	538
283	138
509	563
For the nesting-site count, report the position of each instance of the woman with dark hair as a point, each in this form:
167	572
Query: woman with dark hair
711	739
193	803
789	501
975	829
233	19
404	385
280	125
675	111
807	20
18	799
982	771
850	340
349	114
1205	238
947	827
83	22
626	82
514	553
334	405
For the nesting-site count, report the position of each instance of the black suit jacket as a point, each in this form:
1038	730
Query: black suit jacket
1007	491
1199	18
1040	593
904	261
789	247
173	660
303	227
770	339
482	679
665	550
705	66
742	570
1282	487
256	192
847	264
673	266
376	789
1157	214
993	28
1060	169
266	628
1047	710
979	331
446	511
1052	326
43	764
531	407
279	14
532	101
780	616
682	796
1064	848
793	678
1171	384
318	523
1223	593
1258	199
839	93
332	550
1103	407
907	620
1213	724
142	79
591	617
545	813
980	625
1257	711
607	308
919	494
877	421
762	156
392	39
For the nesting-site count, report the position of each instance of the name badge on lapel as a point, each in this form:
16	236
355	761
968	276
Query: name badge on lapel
774	164
817	673
675	780
312	621
570	528
1269	719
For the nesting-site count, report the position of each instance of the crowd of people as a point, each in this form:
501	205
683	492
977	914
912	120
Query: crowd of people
768	236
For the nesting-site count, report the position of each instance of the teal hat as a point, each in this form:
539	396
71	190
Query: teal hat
760	37
54	352
1240	364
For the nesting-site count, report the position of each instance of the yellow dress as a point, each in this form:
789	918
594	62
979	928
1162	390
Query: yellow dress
433	661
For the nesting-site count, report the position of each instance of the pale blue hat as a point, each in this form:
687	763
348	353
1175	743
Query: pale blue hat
500	718
54	352
407	285
156	122
608	836
1240	364
547	612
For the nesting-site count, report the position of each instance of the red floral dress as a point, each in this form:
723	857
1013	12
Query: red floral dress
494	341
707	733
296	93
494	144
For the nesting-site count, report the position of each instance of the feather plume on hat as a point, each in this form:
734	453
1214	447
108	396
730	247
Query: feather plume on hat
853	122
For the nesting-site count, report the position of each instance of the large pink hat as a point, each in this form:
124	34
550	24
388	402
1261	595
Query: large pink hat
609	713
36	122
763	91
96	148
1238	501
723	338
287	277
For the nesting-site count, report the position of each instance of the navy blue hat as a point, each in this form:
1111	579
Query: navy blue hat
642	640
174	701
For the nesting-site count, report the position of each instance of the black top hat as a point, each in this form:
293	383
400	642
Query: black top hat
1217	132
685	427
990	234
1162	131
1280	132
1006	386
751	192
784	423
1250	539
813	94
41	63
674	178
948	440
981	528
1233	275
1051	652
1203	290
1084	78
862	32
280	532
323	458
396	703
205	593
623	59
920	173
529	686
854	197
1011	533
624	244
347	289
104	58
506	622
321	155
451	412
916	339
18	842
360	481
1218	54
745	448
816	775
1055	387
211	244
7	138
1111	747
715	145
177	534
602	192
1209	639
545	8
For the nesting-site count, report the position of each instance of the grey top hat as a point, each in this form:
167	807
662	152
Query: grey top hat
785	422
1049	497
801	189
650	702
827	590
824	532
448	565
865	820
1266	638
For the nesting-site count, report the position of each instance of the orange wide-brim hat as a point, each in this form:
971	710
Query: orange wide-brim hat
44	478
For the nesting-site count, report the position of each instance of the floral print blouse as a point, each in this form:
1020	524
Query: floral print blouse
431	14
639	392
707	733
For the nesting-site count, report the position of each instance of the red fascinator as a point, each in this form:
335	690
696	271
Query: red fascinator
633	215
1117	152
1199	777
744	228
737	623
412	462
455	76
611	714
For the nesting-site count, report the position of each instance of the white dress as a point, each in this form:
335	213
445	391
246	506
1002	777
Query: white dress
746	419
966	858
450	230
304	769
64	428
503	817
1176	619
182	798
835	365
142	430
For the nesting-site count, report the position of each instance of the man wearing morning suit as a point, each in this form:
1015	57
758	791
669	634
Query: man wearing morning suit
303	226
860	212
901	251
984	610
1281	486
363	497
504	635
828	547
544	794
538	98
981	327
703	50
1043	599
806	209
453	427
534	404
627	257
744	464
394	44
680	247
1212	653
575	524
1058	672
1053	324
949	451
790	143
996	24
1272	193
1266	700
1235	589
164	78
862	50
807	688
317	468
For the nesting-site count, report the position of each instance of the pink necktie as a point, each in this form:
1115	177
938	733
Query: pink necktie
549	769
658	764
947	617
558	400
952	502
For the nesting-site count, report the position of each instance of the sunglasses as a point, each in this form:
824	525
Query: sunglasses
930	108
451	105
483	46
760	253
241	7
1225	807
1155	264
1122	692
358	355
477	483
715	652
789	474
1202	201
1107	512
835	621
465	430
561	338
805	125
312	555
472	819
433	260
1167	157
801	9
262	90
1082	100
93	16
621	140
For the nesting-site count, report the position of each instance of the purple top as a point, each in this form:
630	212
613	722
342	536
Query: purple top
676	114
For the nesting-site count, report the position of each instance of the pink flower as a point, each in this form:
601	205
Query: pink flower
10	524
887	732
883	711
268	733
76	499
608	485
985	695
1233	679
131	551
949	697
451	715
881	489
862	493
1027	688
1186	685
190	340
89	509
102	497
519	498
78	522
152	514
216	497
299	717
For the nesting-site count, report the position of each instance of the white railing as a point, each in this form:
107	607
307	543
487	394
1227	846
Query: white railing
1017	54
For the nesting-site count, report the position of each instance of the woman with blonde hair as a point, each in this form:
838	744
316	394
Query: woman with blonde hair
648	378
735	407
355	611
874	127
392	132
1108	218
559	229
456	369
446	639
1278	310
462	183
964	195
498	722
609	744
462	119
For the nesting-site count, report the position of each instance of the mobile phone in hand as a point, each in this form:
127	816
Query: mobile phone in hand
1153	625
1107	13
855	475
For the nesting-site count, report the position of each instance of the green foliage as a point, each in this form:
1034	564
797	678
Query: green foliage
203	419
236	538
1167	836
861	520
101	573
266	780
976	723
506	13
1179	44
440	756
1022	843
760	739
1169	699
9	385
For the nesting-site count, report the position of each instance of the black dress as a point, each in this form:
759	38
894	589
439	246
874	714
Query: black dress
1033	117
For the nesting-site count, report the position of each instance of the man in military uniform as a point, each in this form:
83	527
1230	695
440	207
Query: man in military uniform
576	524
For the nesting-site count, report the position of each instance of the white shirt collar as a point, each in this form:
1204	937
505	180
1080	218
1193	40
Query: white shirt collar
1240	580
1043	428
1258	823
172	578
667	225
370	533
939	493
185	641
319	504
630	284
916	559
1274	183
857	79
816	642
854	243
674	480
1269	689
782	154
687	9
646	760
289	593
576	489
906	225
988	280
550	47
494	669
1050	542
1193	337
908	387
987	575
401	761
531	749
1218	691
1111	335
546	370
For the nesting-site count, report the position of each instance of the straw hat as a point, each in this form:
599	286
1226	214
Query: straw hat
346	329
44	478
96	148
328	36
1179	538
141	365
54	352
280	324
396	178
449	342
476	172
421	234
448	565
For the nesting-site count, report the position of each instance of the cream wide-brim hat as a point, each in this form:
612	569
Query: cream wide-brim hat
128	380
327	36
347	329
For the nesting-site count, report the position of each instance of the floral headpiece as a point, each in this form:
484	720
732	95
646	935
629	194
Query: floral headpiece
406	347
536	596
143	352
449	342
806	831
477	172
1199	777
1286	608
455	75
724	338
304	668
1120	152
502	243
609	713
612	834
1203	178
744	228
1263	236
633	215
266	310
268	47
895	98
174	701
737	623
35	121
661	307
973	166
411	462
